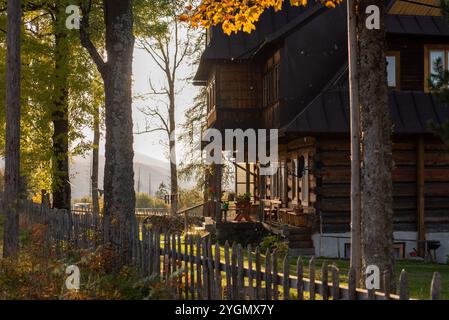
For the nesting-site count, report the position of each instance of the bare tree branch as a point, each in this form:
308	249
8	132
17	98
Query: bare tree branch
86	41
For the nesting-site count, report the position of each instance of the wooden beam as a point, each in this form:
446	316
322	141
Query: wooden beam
420	194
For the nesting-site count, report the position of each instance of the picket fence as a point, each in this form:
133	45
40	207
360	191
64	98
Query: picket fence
200	270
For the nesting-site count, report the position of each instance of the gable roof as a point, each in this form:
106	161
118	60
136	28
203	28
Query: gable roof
276	26
411	112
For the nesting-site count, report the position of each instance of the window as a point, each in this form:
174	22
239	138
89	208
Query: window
270	81
393	69
211	95
303	177
434	54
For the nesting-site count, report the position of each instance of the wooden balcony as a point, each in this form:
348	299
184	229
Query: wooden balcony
236	118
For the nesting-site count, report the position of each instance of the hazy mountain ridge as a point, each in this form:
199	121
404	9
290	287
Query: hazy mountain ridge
157	170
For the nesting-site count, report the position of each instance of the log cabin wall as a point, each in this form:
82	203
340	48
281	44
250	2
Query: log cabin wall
238	85
332	162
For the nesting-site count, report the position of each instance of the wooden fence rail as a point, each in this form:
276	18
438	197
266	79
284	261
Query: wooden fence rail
201	270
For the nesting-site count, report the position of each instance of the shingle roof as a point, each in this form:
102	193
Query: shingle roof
417	25
411	113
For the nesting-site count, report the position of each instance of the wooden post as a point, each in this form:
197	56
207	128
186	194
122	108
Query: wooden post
250	273
352	284
403	286
235	292
312	279
435	291
228	272
218	288
335	283
199	287
286	278
387	284
324	281
420	195
258	275
267	275
299	275
356	257
192	268
275	275
240	275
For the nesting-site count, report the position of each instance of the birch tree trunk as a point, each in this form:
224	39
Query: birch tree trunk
376	182
12	152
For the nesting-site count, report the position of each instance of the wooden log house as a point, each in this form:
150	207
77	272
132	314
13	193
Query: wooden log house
291	74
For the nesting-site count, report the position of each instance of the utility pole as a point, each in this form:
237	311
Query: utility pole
149	184
356	247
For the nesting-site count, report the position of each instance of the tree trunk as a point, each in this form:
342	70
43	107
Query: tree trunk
377	208
119	198
12	152
95	158
356	255
173	157
60	116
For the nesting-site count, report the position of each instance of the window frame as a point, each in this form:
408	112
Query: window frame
428	48
271	80
397	55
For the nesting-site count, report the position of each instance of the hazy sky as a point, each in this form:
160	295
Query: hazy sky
143	69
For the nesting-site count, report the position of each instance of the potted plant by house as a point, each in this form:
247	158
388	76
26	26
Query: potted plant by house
243	201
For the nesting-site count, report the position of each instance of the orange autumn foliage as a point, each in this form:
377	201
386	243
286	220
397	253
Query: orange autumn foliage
237	15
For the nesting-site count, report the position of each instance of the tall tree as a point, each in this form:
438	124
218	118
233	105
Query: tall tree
169	51
12	153
376	130
116	71
60	112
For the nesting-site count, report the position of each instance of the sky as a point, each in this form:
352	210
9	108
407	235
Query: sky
149	144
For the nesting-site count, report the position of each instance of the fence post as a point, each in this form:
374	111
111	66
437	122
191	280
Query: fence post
192	269
335	282
312	278
250	273
206	284
240	276
218	289
228	272
210	265
387	284
300	281
179	263
186	266
199	287
324	280
258	275
403	286
235	293
286	278
435	291
352	285
275	279
267	275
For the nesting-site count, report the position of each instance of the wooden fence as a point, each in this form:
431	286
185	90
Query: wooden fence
202	270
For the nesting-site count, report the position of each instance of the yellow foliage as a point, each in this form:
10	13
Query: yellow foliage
237	15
